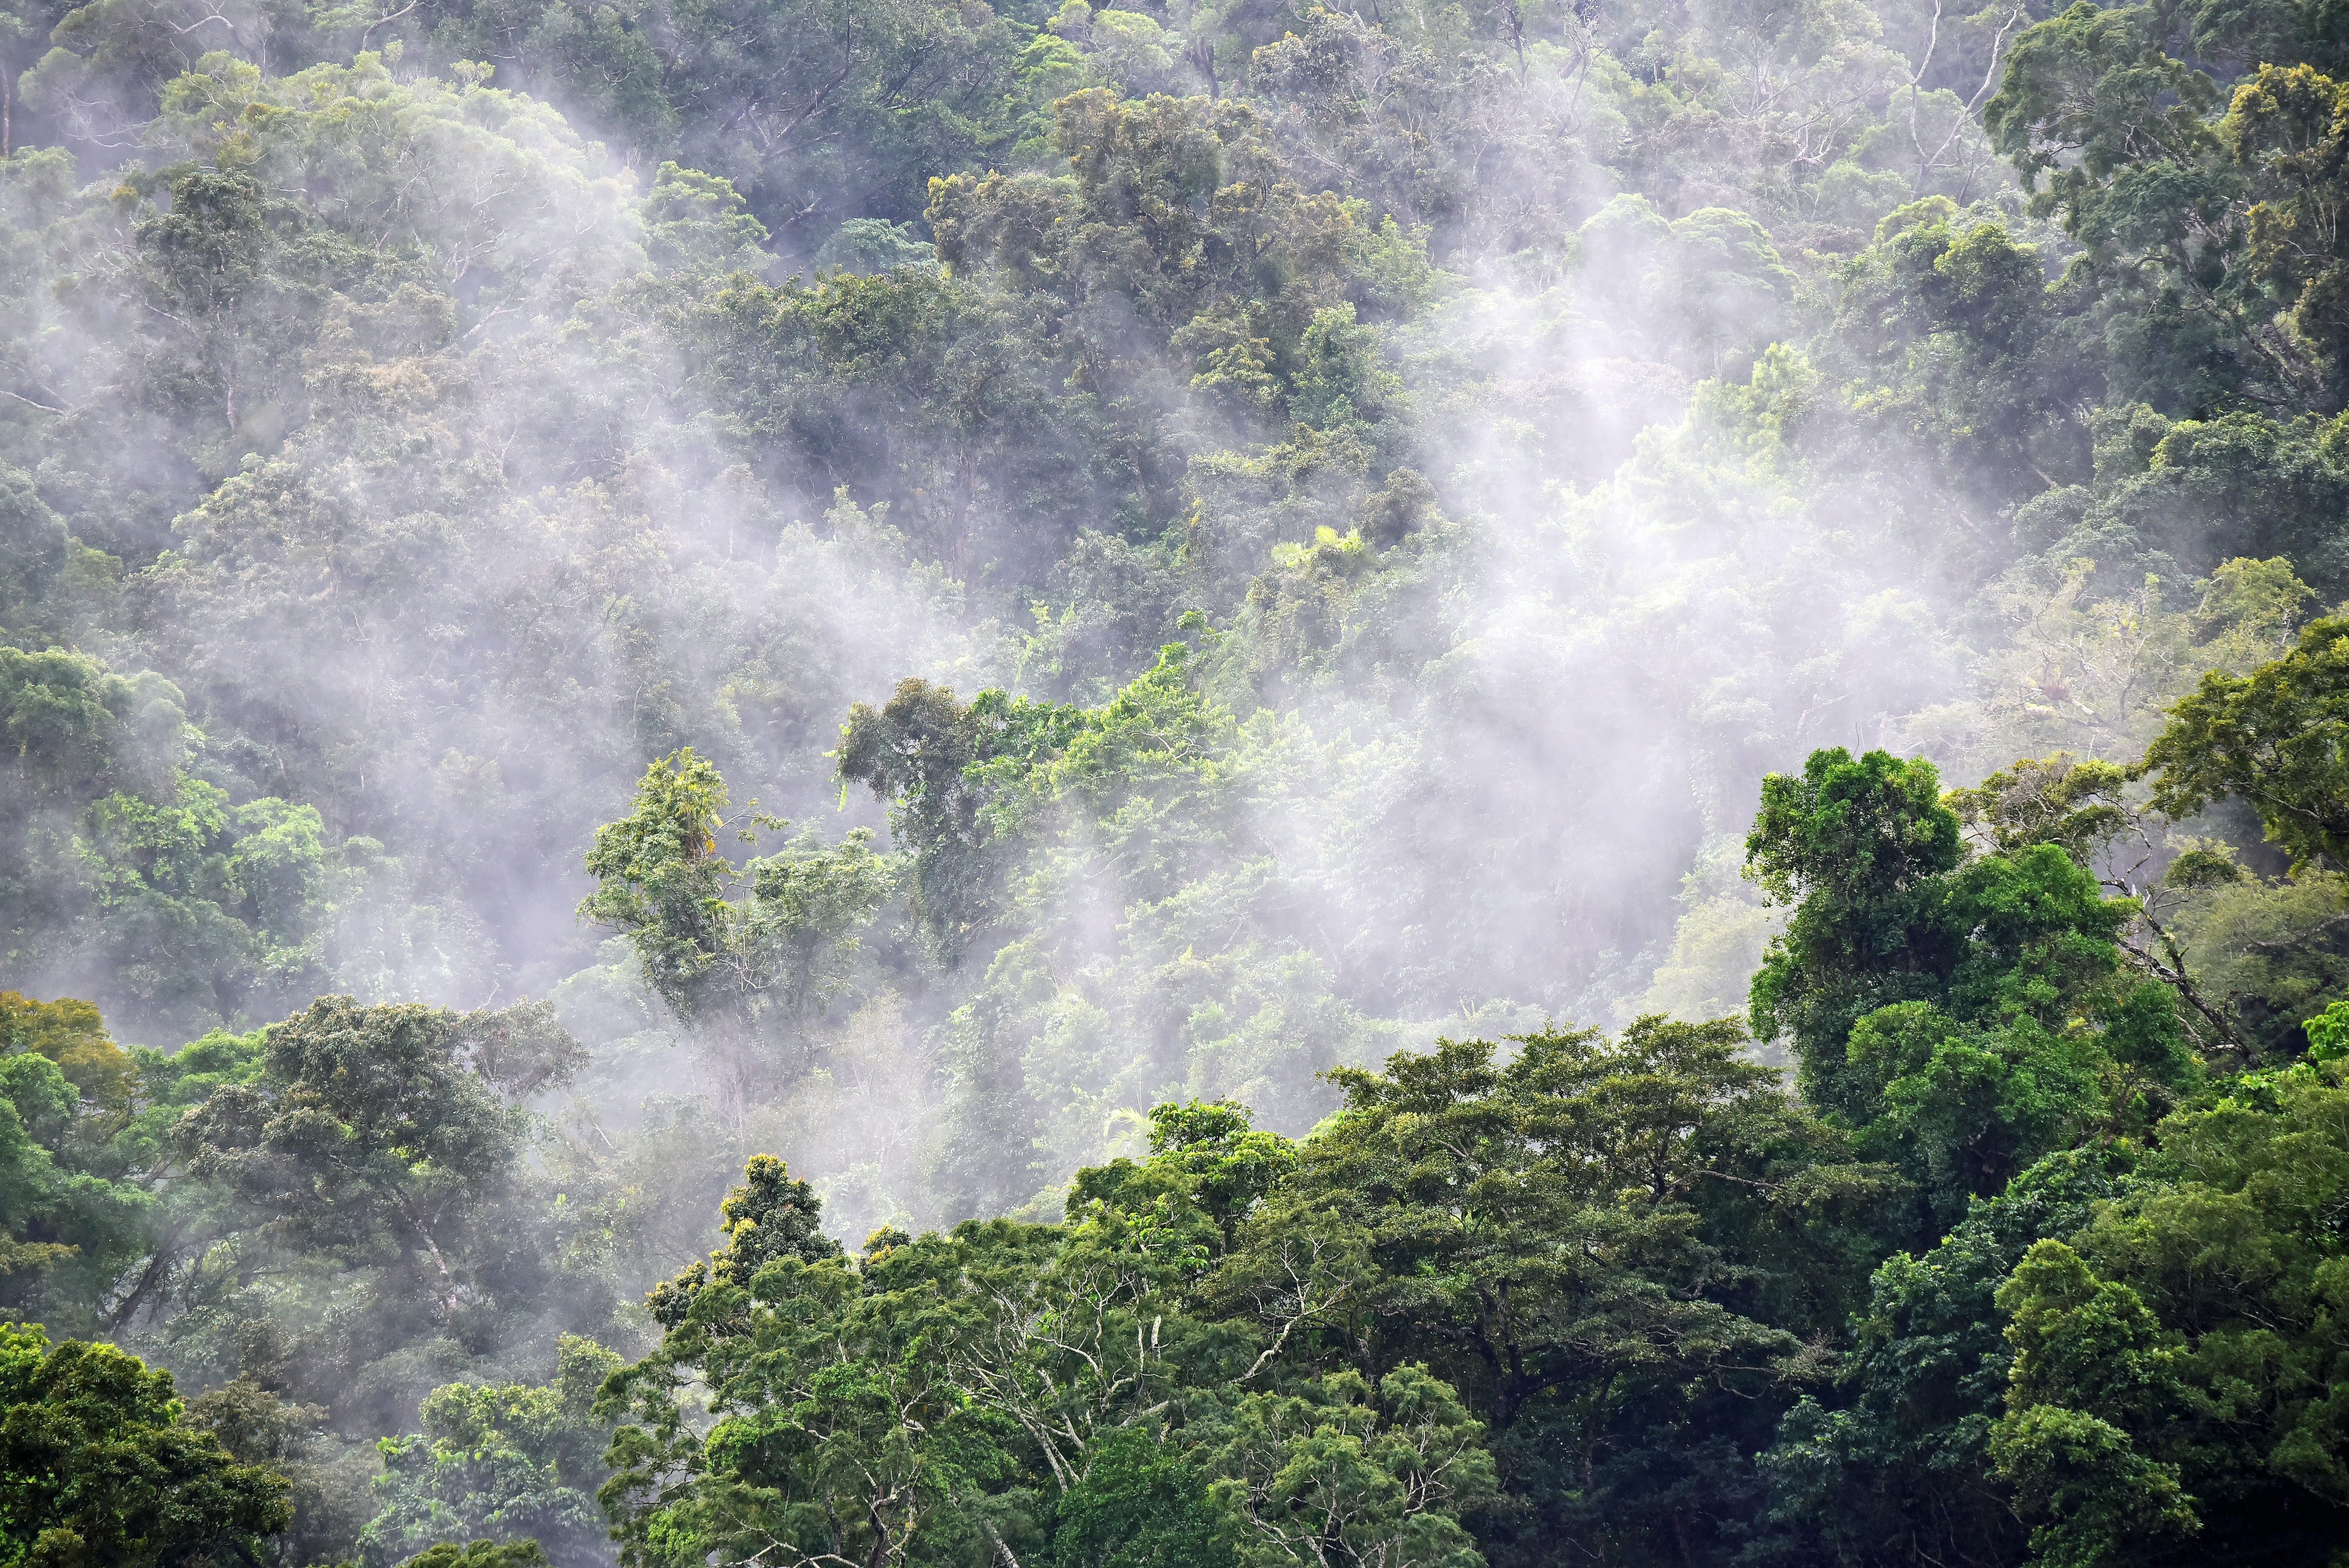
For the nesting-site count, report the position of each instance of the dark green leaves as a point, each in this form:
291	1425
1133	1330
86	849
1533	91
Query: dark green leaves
1860	847
2278	738
97	1466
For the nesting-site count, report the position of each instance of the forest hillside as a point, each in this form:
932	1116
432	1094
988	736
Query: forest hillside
1487	785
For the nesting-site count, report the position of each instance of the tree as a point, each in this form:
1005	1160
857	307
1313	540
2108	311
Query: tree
1964	1016
517	1462
77	1216
2288	125
1608	1247
1338	1471
33	554
840	1432
1860	848
1890	1461
1958	347
2093	1345
133	878
73	730
481	1554
1140	1503
1007	1390
2218	224
370	1160
99	1465
2273	738
659	877
73	1035
1205	1161
817	113
742	956
2175	1372
927	754
367	1140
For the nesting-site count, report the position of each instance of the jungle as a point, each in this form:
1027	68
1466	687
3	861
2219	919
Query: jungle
1193	784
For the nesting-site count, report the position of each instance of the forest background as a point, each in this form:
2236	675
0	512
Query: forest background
920	588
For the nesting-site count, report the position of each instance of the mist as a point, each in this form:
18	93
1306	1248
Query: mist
896	586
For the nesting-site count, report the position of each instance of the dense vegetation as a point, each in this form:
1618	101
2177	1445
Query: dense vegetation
1473	787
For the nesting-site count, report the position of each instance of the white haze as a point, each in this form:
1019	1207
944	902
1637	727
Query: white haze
1640	616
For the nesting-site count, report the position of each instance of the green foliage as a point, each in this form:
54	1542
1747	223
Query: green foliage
1140	1503
1964	1016
830	1432
1336	1468
1872	837
816	115
2327	1038
136	872
366	1138
1395	479
481	1554
1892	1464
2287	125
695	221
73	730
738	954
2175	1368
1706	1220
1241	1349
370	1160
70	1224
2089	1363
2152	1374
2266	948
97	1465
1012	1388
74	1036
658	874
2213	204
769	1216
33	545
517	1460
967	782
1205	1161
2271	738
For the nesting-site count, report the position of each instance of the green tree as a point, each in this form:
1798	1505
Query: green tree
1338	1471
1140	1503
33	556
481	1554
1860	848
71	1224
2289	126
370	1158
660	879
2090	1363
1206	1162
1964	1016
2210	213
1608	1247
841	1426
99	1465
1958	345
1010	1388
1890	1462
816	114
367	1140
2175	1370
2271	739
928	756
751	957
509	1462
